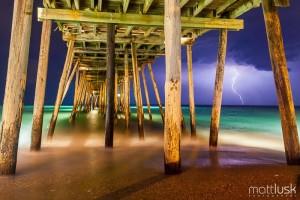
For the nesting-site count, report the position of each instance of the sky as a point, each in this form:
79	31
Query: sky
248	74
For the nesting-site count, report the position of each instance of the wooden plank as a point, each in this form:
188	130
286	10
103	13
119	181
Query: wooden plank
282	3
128	30
99	6
40	89
69	4
200	6
77	5
172	128
217	101
125	5
244	8
147	5
152	39
282	83
135	19
149	31
225	6
110	92
15	85
183	2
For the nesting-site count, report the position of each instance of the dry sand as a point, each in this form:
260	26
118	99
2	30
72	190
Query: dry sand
75	165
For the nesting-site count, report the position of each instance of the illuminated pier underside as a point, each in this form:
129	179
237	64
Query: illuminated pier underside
127	35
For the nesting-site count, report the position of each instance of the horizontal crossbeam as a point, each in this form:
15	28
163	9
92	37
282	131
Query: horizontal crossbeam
62	15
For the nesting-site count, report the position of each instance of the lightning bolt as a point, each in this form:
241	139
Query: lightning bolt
233	83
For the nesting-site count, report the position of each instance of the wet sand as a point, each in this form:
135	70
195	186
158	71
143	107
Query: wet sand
75	165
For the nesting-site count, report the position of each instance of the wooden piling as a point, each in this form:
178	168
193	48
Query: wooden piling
39	98
15	85
127	93
110	91
70	79
79	93
172	128
156	93
116	95
61	88
282	82
216	107
146	93
191	91
137	90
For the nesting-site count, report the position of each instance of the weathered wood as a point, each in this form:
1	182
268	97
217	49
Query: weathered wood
137	90
15	86
127	92
282	82
110	92
135	19
156	93
146	93
216	107
191	91
70	79
79	93
282	3
61	87
76	85
172	128
39	98
244	8
116	95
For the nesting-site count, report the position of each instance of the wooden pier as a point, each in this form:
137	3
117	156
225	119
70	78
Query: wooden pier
109	43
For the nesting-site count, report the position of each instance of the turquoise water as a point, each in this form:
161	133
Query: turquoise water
254	121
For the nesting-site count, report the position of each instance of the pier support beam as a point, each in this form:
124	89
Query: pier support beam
15	86
137	90
61	88
146	93
127	92
156	93
282	82
40	88
110	87
116	95
172	128
191	90
216	107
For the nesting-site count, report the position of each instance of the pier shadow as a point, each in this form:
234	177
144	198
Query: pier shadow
128	190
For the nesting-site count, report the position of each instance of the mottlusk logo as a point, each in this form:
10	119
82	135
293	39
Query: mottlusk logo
273	191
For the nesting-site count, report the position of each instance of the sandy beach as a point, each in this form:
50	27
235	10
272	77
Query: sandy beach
75	165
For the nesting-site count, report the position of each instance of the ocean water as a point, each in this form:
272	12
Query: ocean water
253	126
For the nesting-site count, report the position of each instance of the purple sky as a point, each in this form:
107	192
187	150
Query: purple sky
247	55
